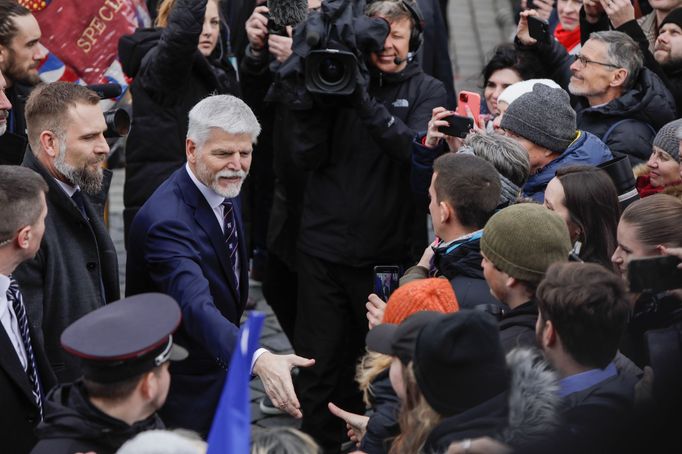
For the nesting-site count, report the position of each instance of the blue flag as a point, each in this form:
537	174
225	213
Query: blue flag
231	429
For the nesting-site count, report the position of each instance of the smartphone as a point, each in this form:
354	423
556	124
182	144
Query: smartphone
538	29
654	273
471	99
529	4
458	126
386	279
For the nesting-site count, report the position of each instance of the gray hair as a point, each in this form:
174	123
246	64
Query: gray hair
164	442
623	52
508	157
224	112
283	440
20	190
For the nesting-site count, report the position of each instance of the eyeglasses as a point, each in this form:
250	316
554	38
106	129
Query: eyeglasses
584	61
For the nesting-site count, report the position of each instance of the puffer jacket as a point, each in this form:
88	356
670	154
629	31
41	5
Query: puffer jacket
172	77
587	149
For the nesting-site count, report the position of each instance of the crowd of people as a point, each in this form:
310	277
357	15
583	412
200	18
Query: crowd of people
538	306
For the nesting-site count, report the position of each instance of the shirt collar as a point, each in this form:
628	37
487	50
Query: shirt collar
213	198
461	238
4	284
584	380
70	190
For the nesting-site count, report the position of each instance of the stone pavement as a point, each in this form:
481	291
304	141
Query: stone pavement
476	27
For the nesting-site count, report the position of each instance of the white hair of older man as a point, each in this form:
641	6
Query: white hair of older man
224	112
164	442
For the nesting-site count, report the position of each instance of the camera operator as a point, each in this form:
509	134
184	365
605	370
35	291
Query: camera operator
357	212
20	55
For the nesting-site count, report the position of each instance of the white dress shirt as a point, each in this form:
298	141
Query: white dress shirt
10	322
215	201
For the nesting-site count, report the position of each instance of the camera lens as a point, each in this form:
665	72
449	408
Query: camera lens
331	71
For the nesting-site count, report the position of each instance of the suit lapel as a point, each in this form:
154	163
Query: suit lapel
205	217
9	361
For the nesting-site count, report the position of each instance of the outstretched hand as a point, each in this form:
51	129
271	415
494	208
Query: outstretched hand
275	373
356	424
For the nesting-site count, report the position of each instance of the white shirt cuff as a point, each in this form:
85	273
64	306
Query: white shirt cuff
256	355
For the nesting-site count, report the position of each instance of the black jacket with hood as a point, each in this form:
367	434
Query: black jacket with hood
168	81
72	424
358	207
646	107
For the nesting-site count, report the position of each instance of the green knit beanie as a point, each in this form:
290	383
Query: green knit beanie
523	240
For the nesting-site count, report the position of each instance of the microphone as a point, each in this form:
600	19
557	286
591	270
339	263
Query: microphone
398	61
288	12
106	91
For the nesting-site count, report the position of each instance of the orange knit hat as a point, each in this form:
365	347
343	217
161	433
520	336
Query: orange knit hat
432	294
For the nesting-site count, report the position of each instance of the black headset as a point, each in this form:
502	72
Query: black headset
416	35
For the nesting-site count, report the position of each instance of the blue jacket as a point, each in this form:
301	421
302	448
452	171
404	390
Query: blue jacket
587	149
176	247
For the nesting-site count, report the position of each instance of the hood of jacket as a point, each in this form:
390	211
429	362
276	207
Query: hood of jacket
70	415
649	101
463	260
587	149
524	414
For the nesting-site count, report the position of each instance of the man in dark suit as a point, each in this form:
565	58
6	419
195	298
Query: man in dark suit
76	268
25	375
188	241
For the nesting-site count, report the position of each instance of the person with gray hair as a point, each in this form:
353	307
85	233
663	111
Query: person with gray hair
188	241
615	97
508	157
283	440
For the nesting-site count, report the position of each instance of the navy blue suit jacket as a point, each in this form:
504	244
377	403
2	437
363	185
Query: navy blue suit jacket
176	247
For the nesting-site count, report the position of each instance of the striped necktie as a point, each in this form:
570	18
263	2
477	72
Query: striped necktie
231	237
14	297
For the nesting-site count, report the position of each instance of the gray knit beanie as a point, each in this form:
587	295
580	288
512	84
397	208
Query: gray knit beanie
544	116
667	139
523	240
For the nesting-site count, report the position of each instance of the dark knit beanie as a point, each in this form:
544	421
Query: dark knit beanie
673	17
544	116
667	139
459	362
523	240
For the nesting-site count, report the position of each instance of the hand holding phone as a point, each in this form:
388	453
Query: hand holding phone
458	126
386	280
469	99
538	29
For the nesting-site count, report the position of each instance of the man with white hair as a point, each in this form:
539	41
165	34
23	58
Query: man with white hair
188	241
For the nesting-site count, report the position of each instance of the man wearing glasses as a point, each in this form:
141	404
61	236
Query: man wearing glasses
614	96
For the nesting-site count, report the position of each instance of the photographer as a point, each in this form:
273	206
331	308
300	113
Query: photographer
357	212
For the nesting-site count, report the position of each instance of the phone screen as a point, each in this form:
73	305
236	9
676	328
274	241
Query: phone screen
386	281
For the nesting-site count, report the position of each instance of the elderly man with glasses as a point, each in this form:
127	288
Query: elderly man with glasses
615	97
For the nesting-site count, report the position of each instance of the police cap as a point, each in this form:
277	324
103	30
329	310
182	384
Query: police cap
125	338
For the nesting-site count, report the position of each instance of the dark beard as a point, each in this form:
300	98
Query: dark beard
15	75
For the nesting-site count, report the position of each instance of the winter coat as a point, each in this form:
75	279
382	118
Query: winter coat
587	149
172	78
383	423
522	415
357	205
647	106
72	424
517	326
74	272
461	265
